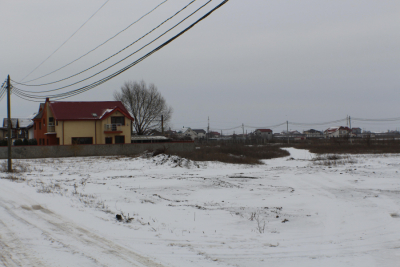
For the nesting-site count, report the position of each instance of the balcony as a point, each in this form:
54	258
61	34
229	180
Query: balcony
113	128
51	128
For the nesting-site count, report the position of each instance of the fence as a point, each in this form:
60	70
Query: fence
29	152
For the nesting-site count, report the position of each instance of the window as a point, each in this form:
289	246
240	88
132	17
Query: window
58	141
56	123
108	140
118	120
120	139
82	140
40	125
51	121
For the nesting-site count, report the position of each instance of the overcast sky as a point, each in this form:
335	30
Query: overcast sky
255	62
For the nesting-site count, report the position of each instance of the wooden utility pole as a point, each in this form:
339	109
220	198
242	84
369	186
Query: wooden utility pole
208	128
351	131
9	139
287	131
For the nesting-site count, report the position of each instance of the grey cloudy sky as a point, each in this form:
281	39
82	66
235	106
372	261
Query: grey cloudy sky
255	62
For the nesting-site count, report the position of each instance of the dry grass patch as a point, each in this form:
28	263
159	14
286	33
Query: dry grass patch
345	146
234	153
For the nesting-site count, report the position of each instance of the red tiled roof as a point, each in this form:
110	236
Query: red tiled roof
86	110
264	130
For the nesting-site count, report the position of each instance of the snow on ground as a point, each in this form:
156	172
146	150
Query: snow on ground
292	211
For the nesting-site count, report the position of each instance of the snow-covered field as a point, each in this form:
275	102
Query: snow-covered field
291	211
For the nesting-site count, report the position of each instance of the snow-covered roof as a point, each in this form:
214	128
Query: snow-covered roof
18	123
25	122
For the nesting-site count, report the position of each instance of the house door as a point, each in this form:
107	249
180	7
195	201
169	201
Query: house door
108	140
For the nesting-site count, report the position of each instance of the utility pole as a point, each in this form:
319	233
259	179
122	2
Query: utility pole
243	131
350	122
9	123
351	131
287	131
162	124
208	128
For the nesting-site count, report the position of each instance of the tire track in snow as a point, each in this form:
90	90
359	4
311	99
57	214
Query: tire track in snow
12	250
72	237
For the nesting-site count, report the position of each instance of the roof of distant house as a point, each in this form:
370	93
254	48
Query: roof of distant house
264	130
89	110
199	131
18	123
336	128
14	123
313	131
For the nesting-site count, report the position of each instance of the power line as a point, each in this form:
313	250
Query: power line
274	126
317	124
376	120
62	94
109	39
66	40
26	96
119	51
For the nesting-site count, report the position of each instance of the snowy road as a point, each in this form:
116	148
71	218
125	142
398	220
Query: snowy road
31	235
293	211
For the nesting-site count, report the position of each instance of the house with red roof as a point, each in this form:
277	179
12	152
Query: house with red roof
337	131
215	135
94	122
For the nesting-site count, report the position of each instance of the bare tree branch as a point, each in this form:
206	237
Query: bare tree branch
145	104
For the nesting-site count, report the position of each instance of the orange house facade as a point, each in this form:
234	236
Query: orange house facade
94	122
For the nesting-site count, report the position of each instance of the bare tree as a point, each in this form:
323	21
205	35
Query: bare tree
145	104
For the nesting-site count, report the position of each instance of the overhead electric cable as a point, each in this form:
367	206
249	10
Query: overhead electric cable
3	90
227	129
109	39
45	91
109	77
66	40
316	124
121	49
273	126
376	120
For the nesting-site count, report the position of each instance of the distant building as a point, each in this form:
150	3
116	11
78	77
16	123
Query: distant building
312	133
263	133
187	133
356	131
67	123
337	132
20	128
201	134
215	135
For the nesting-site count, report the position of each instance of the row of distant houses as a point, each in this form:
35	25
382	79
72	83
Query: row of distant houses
108	122
267	134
